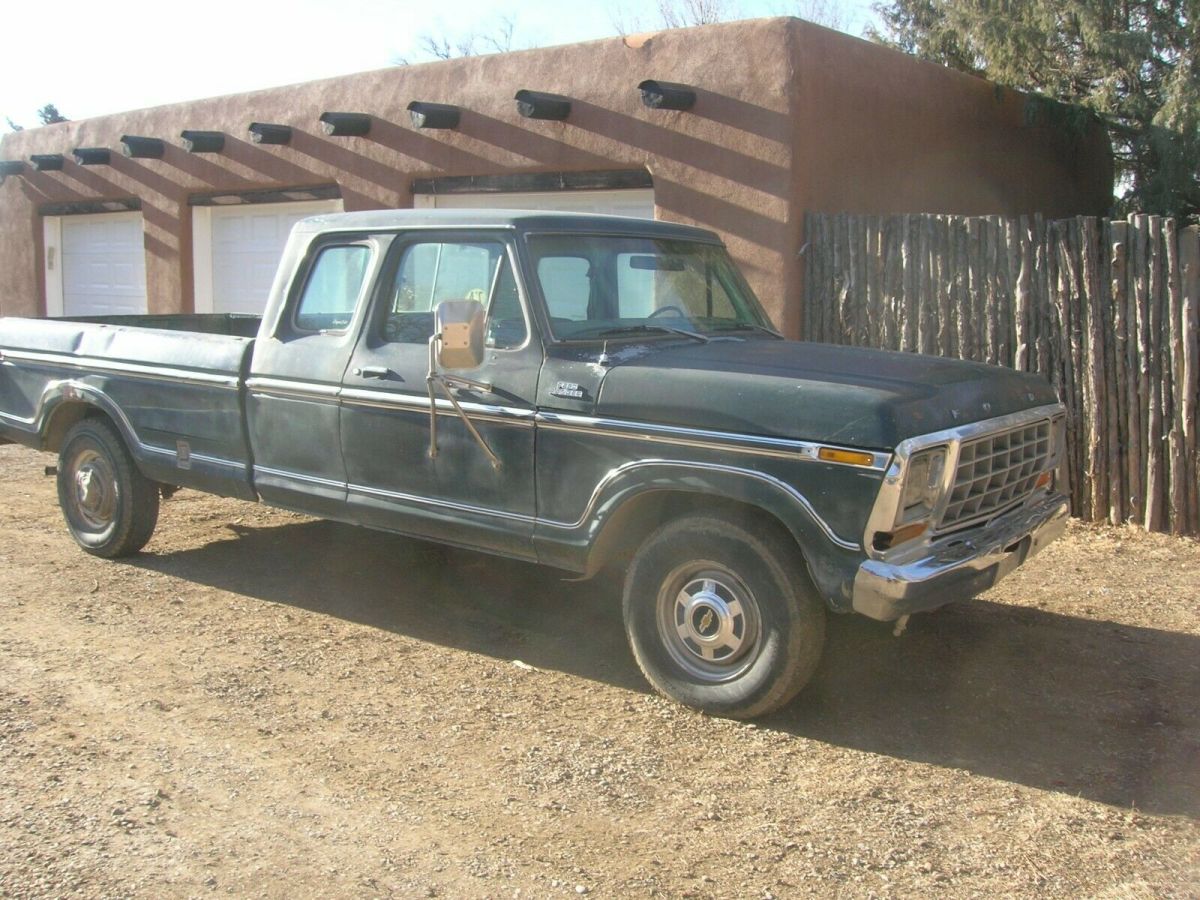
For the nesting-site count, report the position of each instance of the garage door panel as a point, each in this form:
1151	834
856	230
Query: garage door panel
228	230
103	265
126	276
268	228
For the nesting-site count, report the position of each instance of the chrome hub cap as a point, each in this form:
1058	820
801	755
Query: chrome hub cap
709	621
95	490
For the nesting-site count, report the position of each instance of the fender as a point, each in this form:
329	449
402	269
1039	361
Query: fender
34	430
832	558
157	463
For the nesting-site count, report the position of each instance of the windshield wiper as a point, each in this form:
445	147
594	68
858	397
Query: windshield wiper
742	326
639	329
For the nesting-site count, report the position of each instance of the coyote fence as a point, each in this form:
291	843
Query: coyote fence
1107	310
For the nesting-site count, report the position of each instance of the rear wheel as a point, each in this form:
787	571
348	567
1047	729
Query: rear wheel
723	618
110	507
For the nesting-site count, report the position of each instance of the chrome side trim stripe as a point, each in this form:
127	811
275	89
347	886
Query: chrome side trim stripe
137	370
218	461
780	448
299	390
20	421
399	496
362	489
755	445
456	506
71	390
710	467
418	403
508	415
697	438
299	476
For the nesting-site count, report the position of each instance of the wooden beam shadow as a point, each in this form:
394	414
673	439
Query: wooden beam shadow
735	166
437	152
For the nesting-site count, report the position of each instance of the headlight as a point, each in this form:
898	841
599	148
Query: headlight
922	485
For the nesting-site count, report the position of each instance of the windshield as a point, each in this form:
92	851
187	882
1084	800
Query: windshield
599	286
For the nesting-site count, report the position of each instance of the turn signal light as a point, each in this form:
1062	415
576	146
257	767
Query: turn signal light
851	457
1044	480
885	540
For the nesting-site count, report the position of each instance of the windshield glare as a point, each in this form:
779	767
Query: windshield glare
600	286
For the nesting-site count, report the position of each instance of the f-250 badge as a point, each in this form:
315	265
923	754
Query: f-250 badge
568	389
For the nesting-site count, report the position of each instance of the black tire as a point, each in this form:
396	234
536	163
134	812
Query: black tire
110	507
723	618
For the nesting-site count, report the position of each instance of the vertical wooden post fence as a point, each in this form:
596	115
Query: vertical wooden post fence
1107	310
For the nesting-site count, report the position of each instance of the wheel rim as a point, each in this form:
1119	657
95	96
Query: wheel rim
709	621
93	490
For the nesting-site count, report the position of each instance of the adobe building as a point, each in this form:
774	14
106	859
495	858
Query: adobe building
777	117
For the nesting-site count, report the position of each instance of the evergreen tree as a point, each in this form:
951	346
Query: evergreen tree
49	115
1134	63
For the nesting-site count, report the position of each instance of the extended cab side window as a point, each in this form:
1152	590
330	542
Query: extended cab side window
332	288
429	272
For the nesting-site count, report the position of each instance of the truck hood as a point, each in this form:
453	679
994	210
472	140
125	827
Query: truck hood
818	392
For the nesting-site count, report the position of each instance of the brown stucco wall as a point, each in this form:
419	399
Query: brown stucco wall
789	117
877	131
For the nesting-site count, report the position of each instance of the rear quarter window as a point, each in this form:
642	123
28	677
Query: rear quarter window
332	288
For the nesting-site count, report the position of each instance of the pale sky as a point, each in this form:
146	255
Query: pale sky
90	59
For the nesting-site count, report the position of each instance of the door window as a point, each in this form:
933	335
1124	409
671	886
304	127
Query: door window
429	272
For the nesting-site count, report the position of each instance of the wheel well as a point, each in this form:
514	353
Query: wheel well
635	519
66	417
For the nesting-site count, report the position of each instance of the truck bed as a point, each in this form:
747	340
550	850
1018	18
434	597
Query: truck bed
231	324
171	383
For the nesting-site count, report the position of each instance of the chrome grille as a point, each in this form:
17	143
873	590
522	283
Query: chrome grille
996	472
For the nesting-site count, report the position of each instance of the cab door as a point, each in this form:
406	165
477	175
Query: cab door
292	407
394	481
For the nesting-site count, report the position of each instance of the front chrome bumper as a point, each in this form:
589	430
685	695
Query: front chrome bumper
958	565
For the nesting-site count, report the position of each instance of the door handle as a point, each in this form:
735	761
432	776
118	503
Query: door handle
373	372
471	388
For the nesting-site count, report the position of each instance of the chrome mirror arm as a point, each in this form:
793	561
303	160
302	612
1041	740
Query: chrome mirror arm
430	377
458	381
447	382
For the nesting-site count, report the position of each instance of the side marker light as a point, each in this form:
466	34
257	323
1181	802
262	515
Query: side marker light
851	457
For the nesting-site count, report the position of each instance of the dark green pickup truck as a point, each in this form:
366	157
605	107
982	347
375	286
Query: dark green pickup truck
572	390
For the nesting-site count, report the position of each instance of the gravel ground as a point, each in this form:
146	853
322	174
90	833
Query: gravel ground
265	704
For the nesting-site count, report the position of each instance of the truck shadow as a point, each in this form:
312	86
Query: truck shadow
1078	706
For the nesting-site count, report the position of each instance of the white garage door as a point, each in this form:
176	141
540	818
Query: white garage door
637	202
237	250
95	265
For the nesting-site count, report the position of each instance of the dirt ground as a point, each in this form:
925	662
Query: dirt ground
270	705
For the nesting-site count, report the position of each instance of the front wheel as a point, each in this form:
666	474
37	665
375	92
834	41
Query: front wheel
111	508
723	619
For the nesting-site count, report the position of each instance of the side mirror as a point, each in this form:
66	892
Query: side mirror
460	323
457	343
